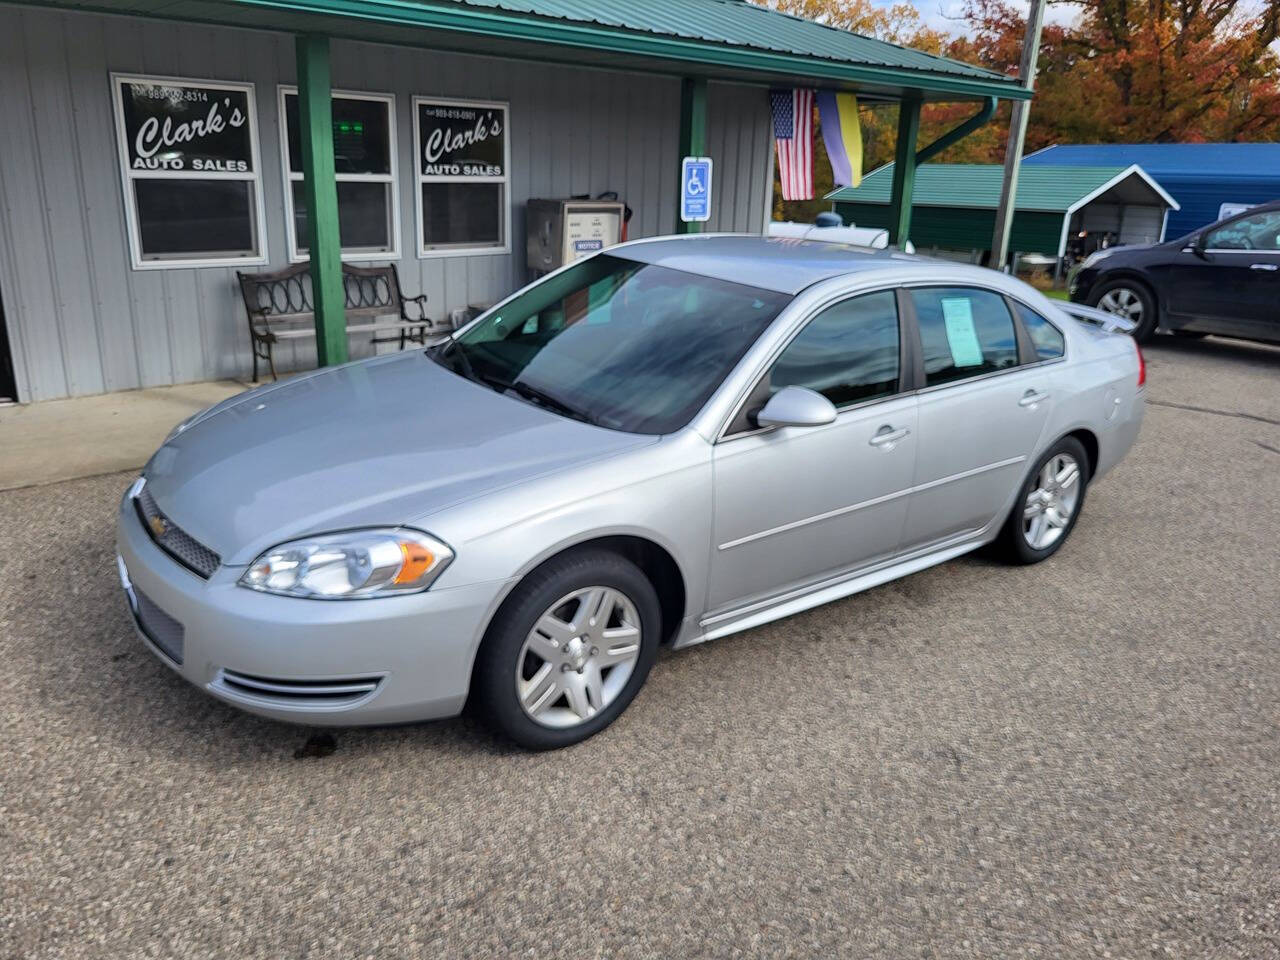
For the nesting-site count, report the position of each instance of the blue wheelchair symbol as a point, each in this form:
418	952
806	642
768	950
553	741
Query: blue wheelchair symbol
695	189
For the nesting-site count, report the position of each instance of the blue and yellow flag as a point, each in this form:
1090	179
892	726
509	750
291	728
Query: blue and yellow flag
841	132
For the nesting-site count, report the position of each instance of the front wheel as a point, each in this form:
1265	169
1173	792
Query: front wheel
568	650
1133	302
1048	504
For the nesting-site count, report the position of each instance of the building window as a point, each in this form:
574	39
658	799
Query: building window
364	159
463	173
189	162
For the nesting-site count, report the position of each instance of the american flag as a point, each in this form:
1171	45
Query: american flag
793	138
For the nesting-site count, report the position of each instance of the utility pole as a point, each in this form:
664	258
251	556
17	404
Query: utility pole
1017	135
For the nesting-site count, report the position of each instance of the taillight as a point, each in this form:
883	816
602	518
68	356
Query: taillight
1142	366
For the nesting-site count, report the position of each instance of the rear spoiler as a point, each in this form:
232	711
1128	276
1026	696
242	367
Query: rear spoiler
1099	318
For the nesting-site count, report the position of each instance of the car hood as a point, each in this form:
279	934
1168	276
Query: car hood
379	442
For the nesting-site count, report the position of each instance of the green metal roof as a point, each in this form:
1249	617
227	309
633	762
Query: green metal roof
977	185
738	23
722	39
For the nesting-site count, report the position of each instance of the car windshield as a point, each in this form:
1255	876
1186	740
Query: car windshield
626	345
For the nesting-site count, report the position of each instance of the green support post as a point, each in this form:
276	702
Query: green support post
693	134
320	188
904	173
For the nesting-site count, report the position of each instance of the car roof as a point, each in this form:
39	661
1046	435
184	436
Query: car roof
781	264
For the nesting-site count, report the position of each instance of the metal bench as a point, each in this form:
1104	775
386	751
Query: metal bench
280	306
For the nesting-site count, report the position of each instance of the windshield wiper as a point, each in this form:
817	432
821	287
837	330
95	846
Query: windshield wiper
540	397
452	347
532	394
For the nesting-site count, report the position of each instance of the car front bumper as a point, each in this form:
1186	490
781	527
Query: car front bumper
326	662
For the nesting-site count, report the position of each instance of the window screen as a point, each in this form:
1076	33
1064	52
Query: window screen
847	353
965	332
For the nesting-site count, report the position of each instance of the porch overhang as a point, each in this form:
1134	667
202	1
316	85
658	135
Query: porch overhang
494	29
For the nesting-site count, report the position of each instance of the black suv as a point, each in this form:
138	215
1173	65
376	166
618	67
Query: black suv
1224	279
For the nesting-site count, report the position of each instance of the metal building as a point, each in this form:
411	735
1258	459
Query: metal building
956	206
150	151
1209	180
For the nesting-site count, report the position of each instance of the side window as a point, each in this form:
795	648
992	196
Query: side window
1259	231
1046	338
847	353
965	333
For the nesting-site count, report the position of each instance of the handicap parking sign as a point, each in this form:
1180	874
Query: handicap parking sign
695	189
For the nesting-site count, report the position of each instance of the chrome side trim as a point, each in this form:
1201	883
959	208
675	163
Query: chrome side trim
875	501
762	612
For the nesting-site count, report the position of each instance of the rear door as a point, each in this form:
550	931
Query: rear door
1234	287
984	405
796	504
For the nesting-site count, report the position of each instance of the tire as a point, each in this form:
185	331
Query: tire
1016	542
1132	300
581	692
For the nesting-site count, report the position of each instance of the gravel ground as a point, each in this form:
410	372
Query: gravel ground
1072	760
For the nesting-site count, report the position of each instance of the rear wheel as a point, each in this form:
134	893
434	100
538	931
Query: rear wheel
1132	301
1048	504
569	649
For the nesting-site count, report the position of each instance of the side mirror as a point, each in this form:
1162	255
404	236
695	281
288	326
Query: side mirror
796	407
1197	246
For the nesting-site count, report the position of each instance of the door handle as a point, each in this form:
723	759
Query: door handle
886	436
1031	398
1269	267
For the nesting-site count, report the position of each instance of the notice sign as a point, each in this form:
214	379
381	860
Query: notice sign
461	140
588	231
184	125
695	189
962	337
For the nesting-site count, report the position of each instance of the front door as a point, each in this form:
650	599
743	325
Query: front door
797	504
1233	287
981	414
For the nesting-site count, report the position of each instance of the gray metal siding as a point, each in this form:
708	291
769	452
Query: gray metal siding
81	321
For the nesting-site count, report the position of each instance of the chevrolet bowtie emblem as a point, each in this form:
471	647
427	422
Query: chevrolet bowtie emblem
158	526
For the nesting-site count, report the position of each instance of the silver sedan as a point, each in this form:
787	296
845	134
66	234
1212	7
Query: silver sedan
666	443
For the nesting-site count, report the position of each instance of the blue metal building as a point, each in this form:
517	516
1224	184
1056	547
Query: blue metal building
1202	177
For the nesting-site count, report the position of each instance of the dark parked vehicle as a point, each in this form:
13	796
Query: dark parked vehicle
1223	279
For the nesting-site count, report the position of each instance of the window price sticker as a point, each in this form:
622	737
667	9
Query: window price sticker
962	336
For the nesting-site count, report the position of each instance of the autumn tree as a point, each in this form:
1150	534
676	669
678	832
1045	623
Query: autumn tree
1122	71
1142	71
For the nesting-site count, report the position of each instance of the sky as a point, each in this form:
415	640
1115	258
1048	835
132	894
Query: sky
945	15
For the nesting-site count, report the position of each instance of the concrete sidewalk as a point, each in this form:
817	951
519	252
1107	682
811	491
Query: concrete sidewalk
86	436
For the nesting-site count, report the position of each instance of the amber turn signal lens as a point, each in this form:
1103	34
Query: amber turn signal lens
417	561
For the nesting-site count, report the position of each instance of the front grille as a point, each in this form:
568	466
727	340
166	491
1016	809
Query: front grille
160	628
341	692
173	540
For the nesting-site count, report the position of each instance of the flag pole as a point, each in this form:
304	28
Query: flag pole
1017	136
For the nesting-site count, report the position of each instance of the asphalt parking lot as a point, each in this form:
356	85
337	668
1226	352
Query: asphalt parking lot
1072	760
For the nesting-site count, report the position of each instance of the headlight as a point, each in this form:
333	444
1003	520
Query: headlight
1094	257
358	564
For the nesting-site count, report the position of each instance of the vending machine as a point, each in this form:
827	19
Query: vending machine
562	231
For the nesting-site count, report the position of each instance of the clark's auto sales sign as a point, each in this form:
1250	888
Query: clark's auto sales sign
172	125
461	140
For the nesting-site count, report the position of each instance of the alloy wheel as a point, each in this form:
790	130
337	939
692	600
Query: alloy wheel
1052	501
1123	302
578	656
